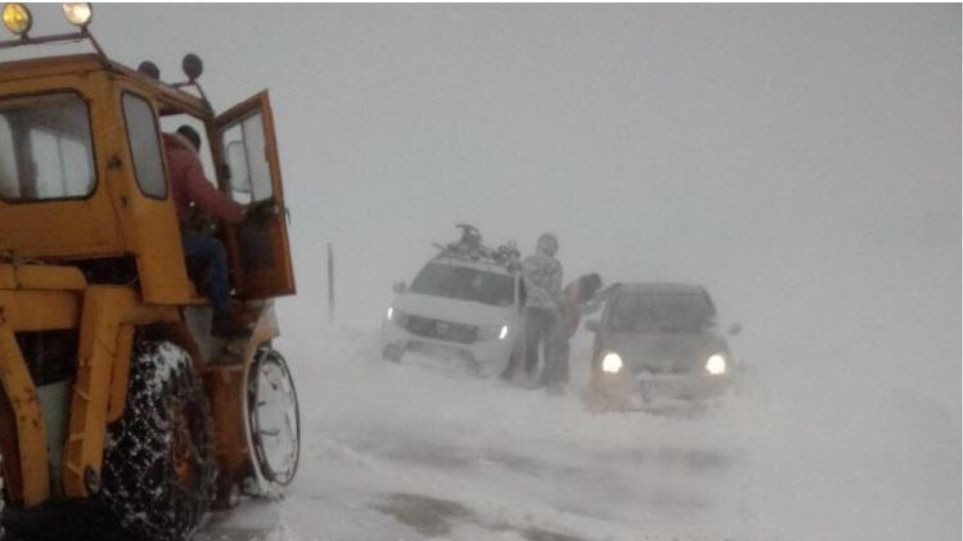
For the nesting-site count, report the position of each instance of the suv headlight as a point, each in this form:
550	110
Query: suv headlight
612	363
397	317
493	332
716	364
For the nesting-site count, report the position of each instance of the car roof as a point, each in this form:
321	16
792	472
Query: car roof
479	265
665	287
661	287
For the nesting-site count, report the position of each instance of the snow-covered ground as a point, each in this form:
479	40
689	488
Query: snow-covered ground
800	161
415	451
411	451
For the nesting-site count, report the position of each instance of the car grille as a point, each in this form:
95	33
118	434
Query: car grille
668	368
442	330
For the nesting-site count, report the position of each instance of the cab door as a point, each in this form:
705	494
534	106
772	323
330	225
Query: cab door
250	173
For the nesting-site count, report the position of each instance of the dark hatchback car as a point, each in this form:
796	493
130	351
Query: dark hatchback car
657	341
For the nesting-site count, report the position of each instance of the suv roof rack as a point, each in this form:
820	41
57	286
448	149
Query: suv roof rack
470	248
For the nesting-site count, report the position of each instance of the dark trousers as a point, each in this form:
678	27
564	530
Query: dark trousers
559	352
212	252
540	324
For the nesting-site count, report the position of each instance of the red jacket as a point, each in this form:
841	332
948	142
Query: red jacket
572	305
188	184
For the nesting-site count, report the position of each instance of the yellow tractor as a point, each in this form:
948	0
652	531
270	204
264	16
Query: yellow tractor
117	405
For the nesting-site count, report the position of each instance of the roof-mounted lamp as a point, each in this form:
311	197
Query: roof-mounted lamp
78	14
17	19
193	67
149	69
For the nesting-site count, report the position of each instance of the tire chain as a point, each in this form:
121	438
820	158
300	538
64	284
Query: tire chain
140	485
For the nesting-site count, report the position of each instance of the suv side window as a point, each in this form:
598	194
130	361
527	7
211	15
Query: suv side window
145	149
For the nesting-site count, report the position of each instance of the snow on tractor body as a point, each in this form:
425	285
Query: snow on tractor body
114	397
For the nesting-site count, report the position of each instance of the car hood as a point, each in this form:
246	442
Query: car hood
665	352
453	310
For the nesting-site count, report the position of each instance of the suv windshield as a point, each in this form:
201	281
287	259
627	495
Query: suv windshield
464	283
45	148
656	311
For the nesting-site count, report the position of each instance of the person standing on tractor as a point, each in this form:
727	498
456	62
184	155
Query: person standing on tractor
543	283
189	185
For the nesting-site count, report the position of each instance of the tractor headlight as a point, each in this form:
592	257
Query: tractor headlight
612	363
17	19
716	365
492	332
78	13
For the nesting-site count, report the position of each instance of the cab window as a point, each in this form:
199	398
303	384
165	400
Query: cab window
45	148
245	152
145	147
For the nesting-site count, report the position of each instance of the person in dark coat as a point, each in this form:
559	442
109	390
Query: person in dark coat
575	297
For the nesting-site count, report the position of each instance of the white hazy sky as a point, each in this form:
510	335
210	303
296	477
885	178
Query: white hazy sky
802	161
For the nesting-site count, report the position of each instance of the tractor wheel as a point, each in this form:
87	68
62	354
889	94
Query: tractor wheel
159	469
273	422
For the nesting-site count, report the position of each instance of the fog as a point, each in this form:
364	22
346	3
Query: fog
800	161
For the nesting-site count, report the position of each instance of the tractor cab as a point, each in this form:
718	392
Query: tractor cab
114	396
83	174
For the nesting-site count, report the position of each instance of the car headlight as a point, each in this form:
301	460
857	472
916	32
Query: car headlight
397	317
716	365
492	332
612	363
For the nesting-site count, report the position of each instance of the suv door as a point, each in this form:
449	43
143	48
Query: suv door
251	174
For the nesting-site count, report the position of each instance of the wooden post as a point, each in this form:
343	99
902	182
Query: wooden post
330	283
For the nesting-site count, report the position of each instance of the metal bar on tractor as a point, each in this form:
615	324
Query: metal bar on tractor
73	36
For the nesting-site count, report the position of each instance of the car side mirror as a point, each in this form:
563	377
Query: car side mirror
592	325
735	329
399	287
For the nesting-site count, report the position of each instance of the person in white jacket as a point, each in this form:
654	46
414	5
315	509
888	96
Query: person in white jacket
542	273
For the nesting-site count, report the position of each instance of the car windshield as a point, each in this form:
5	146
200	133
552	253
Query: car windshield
464	283
658	311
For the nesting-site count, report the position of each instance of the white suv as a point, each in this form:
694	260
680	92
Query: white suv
461	309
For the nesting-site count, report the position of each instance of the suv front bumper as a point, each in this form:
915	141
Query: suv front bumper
487	357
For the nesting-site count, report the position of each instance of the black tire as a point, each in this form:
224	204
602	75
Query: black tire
159	469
